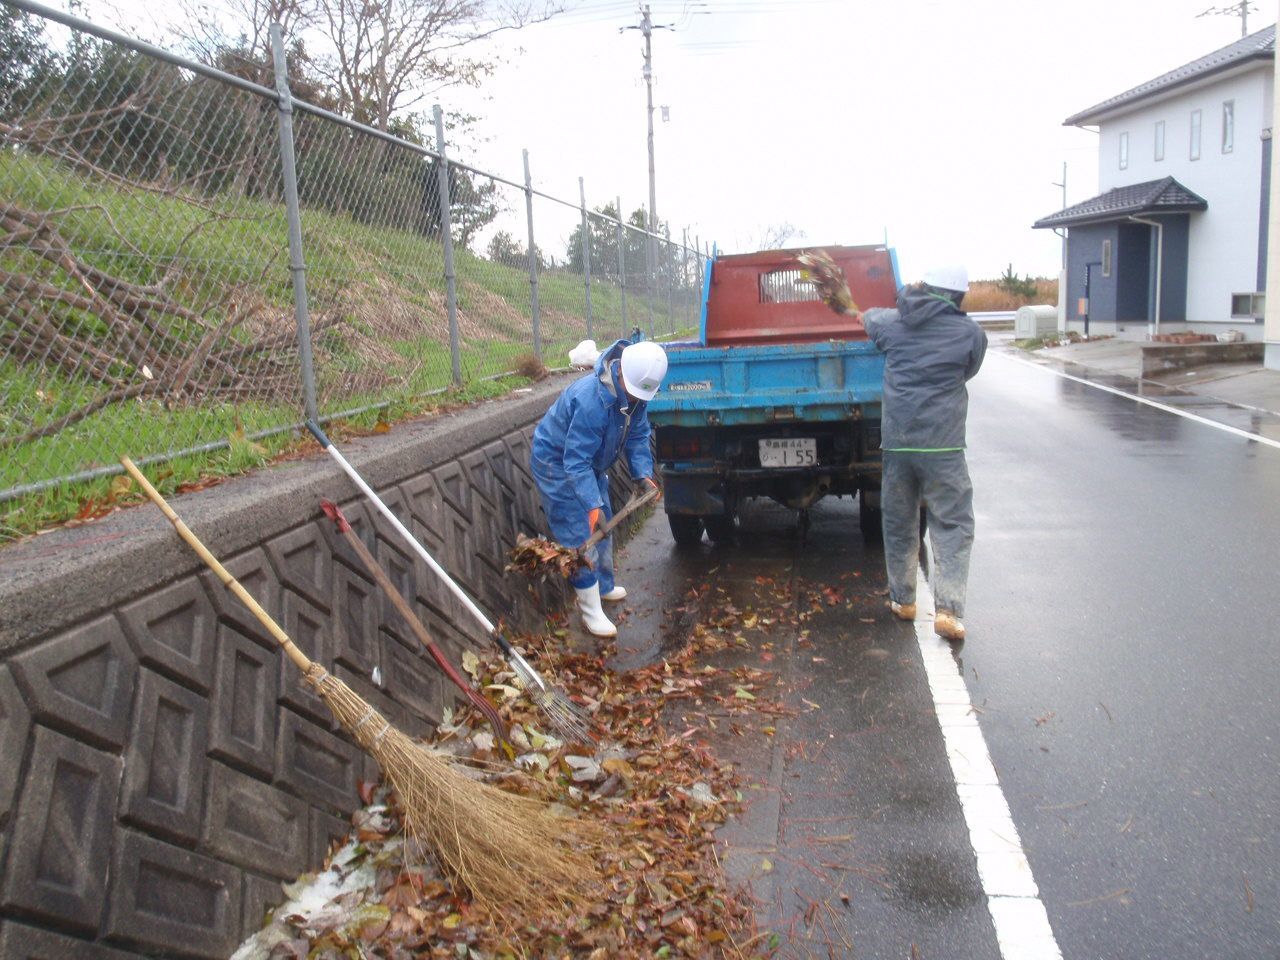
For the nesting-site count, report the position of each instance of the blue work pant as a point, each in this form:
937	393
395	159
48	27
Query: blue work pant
940	482
569	523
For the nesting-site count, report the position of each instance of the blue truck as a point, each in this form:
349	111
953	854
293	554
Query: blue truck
779	397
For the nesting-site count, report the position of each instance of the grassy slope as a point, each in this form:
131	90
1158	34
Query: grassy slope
385	286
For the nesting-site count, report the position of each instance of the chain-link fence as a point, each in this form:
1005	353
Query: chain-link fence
151	301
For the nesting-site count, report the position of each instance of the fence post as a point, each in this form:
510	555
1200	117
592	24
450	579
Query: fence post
667	258
446	238
533	262
622	267
586	251
648	269
685	282
297	265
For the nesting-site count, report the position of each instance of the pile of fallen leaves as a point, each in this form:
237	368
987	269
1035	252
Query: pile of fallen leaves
540	557
825	274
658	793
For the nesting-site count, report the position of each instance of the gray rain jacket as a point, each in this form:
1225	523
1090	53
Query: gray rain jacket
931	348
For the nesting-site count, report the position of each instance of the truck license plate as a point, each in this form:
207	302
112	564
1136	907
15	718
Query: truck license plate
789	452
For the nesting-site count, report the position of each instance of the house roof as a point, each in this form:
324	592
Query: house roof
1256	46
1153	197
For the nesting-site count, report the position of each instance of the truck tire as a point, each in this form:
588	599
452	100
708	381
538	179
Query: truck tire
869	523
686	530
722	528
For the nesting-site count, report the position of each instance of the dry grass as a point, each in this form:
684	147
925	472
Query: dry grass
530	367
986	295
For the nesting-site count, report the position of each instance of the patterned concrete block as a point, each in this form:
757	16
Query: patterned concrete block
309	629
61	839
255	825
406	720
259	579
325	829
167	898
412	680
174	631
82	682
454	486
355	620
304	562
164	766
316	764
242	730
20	942
15	727
424	500
260	898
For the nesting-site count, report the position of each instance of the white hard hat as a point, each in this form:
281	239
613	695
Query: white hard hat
644	364
950	276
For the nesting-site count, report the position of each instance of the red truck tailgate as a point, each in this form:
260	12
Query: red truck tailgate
757	298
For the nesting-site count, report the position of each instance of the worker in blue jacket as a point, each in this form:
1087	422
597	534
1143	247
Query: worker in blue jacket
598	418
931	349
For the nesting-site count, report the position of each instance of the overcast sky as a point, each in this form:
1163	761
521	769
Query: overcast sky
936	122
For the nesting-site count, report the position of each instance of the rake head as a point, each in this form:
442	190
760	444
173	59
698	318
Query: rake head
570	720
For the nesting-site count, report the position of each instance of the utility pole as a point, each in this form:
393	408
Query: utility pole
1240	10
647	27
1063	233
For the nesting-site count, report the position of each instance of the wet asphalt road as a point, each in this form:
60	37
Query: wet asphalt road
1122	656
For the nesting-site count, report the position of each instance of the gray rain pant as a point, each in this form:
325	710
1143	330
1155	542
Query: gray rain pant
939	481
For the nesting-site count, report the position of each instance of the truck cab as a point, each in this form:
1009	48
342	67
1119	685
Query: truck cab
779	397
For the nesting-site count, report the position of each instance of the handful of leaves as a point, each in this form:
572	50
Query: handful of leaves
819	269
534	556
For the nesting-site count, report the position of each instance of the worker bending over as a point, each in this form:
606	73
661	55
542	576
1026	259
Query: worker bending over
932	348
594	421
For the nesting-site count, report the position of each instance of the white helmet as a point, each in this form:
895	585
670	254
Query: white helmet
644	364
948	277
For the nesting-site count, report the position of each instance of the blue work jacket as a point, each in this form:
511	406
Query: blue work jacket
588	427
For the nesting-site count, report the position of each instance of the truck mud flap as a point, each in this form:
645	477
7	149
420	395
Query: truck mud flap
694	496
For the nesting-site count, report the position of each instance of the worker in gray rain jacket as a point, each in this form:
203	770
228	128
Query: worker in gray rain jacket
599	418
931	349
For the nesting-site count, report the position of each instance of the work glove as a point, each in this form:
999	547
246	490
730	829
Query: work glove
650	483
593	519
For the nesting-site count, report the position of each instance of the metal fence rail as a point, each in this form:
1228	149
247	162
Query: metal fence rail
191	261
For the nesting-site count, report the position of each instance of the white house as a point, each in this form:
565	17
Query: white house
1177	240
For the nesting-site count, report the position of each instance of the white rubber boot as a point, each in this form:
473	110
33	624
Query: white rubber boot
593	617
617	593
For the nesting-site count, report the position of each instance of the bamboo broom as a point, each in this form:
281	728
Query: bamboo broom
507	850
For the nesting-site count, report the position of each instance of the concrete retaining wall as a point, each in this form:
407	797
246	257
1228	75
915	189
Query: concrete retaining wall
163	769
1159	357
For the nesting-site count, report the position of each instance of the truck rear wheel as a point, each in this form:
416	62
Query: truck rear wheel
722	528
686	530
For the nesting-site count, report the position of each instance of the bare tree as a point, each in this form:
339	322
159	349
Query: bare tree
386	56
235	34
777	235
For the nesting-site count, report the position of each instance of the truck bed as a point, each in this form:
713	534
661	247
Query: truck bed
774	383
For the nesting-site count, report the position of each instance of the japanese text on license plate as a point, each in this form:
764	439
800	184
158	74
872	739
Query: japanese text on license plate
789	452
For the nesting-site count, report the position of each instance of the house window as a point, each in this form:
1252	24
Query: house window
1159	140
1248	306
1106	258
1195	134
1124	151
1228	125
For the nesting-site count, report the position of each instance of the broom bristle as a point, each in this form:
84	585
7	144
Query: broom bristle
507	850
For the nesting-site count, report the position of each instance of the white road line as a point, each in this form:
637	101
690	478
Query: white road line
1150	403
1020	919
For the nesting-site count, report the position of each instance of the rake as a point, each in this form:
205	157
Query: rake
572	723
506	849
334	513
538	555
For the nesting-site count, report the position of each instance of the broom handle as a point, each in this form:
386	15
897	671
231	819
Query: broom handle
400	528
334	513
231	583
634	504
